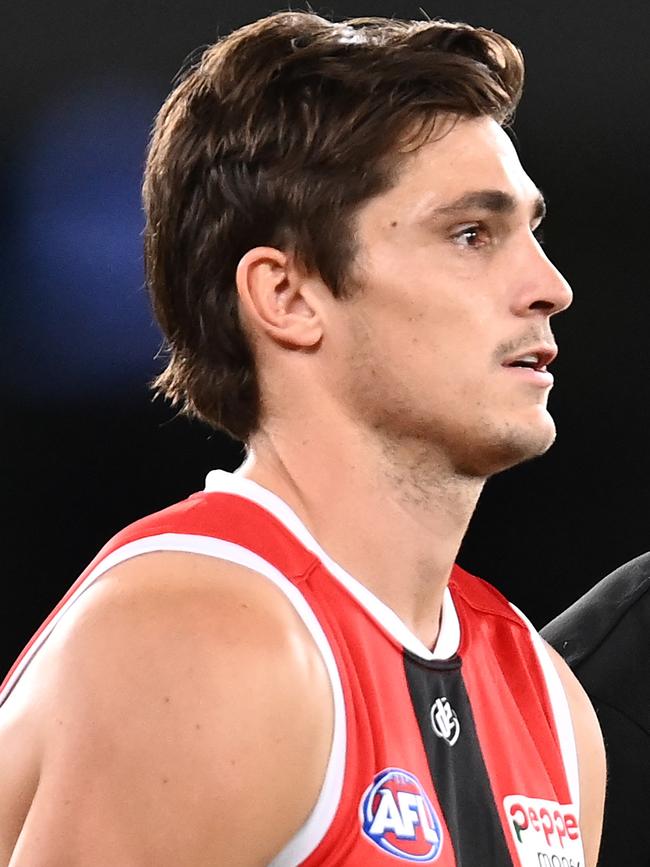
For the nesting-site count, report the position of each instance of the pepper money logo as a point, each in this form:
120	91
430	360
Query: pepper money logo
398	817
545	833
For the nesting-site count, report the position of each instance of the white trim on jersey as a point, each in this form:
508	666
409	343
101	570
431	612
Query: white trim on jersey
318	822
561	710
449	632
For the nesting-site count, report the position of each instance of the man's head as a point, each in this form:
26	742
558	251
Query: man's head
445	343
283	138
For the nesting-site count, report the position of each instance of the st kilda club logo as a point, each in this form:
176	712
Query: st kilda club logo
444	721
398	817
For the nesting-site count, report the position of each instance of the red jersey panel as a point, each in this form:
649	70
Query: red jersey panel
462	756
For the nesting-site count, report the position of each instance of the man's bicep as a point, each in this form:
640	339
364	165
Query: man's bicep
159	749
114	805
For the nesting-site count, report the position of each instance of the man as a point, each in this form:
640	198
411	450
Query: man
288	668
605	638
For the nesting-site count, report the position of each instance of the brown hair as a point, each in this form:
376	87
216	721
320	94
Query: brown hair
275	138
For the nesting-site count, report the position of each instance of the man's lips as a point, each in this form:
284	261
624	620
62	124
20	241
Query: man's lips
532	358
531	363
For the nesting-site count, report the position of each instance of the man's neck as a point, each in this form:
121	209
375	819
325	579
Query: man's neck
393	517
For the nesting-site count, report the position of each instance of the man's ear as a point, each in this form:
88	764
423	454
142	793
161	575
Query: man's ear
278	298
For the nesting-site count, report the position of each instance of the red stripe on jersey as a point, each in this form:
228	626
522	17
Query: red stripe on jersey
512	669
521	747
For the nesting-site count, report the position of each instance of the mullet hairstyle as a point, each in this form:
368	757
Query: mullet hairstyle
276	137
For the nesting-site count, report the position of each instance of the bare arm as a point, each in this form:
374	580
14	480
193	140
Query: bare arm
188	722
591	758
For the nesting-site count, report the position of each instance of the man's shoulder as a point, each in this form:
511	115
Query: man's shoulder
202	523
594	618
183	680
604	638
167	605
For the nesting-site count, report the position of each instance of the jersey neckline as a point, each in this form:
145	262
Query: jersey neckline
448	640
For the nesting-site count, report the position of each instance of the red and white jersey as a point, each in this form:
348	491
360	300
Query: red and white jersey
462	755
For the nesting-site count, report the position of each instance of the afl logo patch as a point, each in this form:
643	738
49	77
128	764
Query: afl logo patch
398	817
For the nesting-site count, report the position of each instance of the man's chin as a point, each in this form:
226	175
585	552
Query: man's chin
505	449
530	444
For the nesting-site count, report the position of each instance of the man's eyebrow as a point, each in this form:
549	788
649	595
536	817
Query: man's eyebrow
495	201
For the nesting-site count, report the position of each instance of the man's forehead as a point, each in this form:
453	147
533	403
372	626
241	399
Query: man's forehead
473	165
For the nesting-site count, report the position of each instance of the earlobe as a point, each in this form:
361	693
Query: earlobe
277	298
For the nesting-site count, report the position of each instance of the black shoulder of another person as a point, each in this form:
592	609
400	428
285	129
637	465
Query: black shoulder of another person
605	639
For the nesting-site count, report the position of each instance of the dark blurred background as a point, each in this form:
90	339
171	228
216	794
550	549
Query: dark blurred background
85	450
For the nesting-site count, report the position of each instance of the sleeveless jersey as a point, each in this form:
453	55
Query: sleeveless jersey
463	755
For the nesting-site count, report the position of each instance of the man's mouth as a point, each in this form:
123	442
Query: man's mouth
536	358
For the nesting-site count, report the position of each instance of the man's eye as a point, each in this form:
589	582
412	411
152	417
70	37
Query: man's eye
472	236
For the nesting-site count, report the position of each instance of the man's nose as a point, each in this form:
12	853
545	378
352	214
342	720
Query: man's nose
543	287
